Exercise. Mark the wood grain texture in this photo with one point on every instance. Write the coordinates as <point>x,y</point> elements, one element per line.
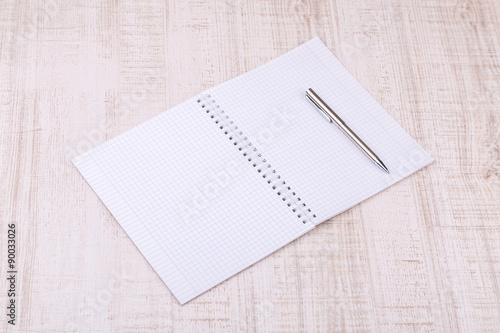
<point>422,256</point>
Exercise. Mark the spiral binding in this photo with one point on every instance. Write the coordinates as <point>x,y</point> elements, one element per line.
<point>255,158</point>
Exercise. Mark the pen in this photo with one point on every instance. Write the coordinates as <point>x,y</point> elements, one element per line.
<point>333,117</point>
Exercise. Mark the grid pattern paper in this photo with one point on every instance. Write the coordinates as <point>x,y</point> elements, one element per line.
<point>192,204</point>
<point>186,192</point>
<point>246,146</point>
<point>328,171</point>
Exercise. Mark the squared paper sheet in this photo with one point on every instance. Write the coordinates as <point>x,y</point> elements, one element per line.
<point>148,175</point>
<point>322,164</point>
<point>154,179</point>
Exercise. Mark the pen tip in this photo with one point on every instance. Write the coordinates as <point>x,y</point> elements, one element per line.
<point>382,166</point>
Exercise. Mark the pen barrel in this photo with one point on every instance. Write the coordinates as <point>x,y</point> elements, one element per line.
<point>358,142</point>
<point>334,118</point>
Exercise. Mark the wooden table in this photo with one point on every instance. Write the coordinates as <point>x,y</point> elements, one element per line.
<point>423,256</point>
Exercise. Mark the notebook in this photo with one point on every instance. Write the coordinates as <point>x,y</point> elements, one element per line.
<point>231,175</point>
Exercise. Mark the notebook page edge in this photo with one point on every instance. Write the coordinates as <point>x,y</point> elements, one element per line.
<point>324,54</point>
<point>154,255</point>
<point>317,47</point>
<point>425,164</point>
<point>278,247</point>
<point>194,97</point>
<point>124,215</point>
<point>134,128</point>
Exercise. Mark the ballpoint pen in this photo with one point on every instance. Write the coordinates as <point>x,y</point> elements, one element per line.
<point>333,117</point>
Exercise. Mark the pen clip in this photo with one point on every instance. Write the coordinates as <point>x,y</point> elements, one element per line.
<point>320,109</point>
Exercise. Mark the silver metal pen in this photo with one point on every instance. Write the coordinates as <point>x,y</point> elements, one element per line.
<point>333,117</point>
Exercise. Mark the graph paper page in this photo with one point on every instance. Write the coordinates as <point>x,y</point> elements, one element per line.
<point>193,205</point>
<point>222,180</point>
<point>326,170</point>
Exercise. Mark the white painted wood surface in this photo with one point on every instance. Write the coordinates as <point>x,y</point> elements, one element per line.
<point>423,256</point>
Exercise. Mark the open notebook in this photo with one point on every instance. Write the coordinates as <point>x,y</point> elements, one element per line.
<point>231,175</point>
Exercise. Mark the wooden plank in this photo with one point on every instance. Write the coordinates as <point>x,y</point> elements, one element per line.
<point>421,256</point>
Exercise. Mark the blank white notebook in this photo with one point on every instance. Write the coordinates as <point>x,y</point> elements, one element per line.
<point>231,175</point>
